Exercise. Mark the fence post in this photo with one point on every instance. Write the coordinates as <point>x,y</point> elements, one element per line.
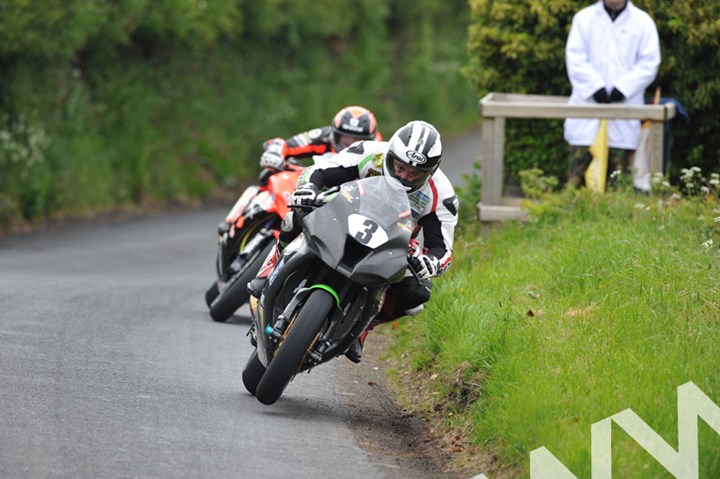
<point>492,159</point>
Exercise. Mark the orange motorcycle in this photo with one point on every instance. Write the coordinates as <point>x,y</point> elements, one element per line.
<point>245,239</point>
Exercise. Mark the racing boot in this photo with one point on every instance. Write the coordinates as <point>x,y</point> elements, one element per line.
<point>256,286</point>
<point>354,354</point>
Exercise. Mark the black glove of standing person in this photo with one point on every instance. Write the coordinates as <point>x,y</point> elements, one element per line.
<point>601,96</point>
<point>616,95</point>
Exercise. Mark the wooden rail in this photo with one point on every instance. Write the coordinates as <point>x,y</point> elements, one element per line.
<point>496,107</point>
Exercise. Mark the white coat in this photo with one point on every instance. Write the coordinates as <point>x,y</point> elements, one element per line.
<point>624,54</point>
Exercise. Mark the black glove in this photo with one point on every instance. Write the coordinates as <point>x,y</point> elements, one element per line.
<point>616,95</point>
<point>601,96</point>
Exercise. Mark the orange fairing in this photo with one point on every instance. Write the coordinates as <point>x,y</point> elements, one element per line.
<point>282,185</point>
<point>240,205</point>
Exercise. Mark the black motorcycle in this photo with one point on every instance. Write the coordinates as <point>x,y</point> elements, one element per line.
<point>329,283</point>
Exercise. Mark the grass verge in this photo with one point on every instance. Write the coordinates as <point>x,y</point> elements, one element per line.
<point>540,329</point>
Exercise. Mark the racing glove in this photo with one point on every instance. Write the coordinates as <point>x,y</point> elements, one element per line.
<point>273,156</point>
<point>424,265</point>
<point>616,95</point>
<point>601,96</point>
<point>305,195</point>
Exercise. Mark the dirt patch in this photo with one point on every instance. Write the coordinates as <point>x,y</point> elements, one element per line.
<point>395,424</point>
<point>397,438</point>
<point>401,434</point>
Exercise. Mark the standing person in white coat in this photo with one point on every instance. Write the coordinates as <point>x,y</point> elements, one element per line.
<point>612,55</point>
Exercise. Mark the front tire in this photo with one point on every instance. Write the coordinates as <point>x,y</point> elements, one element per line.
<point>236,294</point>
<point>211,294</point>
<point>253,373</point>
<point>291,352</point>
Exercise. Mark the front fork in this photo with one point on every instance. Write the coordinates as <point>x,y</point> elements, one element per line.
<point>229,246</point>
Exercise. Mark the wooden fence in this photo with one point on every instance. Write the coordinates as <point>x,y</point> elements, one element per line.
<point>496,107</point>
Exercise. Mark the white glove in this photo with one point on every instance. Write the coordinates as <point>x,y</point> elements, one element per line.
<point>425,266</point>
<point>272,158</point>
<point>305,195</point>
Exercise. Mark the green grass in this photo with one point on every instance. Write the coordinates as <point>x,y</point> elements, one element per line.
<point>603,303</point>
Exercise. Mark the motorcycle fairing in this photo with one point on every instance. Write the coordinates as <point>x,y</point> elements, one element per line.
<point>349,230</point>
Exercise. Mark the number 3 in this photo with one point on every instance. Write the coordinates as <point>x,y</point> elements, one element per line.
<point>364,237</point>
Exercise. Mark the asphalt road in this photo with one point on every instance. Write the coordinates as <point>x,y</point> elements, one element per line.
<point>459,155</point>
<point>110,366</point>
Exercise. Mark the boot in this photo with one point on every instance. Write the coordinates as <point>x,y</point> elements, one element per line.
<point>354,354</point>
<point>256,286</point>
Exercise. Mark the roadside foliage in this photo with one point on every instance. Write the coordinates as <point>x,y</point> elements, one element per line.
<point>126,103</point>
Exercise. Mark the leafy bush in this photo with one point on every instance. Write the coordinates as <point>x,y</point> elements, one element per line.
<point>23,146</point>
<point>164,100</point>
<point>60,30</point>
<point>469,193</point>
<point>534,183</point>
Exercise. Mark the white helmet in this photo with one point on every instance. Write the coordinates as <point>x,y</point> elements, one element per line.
<point>413,154</point>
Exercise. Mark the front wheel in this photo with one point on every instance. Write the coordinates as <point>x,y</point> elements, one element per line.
<point>253,373</point>
<point>236,294</point>
<point>291,352</point>
<point>211,293</point>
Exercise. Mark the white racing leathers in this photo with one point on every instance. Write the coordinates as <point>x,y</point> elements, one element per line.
<point>434,206</point>
<point>624,54</point>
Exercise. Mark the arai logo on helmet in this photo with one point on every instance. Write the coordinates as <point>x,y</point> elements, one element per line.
<point>416,157</point>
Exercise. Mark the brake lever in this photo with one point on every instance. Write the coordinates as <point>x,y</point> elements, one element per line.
<point>302,207</point>
<point>414,273</point>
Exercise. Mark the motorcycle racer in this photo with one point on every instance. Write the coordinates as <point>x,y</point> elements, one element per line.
<point>412,156</point>
<point>350,124</point>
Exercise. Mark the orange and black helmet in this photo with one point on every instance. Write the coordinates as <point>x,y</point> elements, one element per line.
<point>355,122</point>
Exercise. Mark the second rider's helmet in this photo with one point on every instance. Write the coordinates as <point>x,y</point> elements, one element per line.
<point>416,149</point>
<point>351,124</point>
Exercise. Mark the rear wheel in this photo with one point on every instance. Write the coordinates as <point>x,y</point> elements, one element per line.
<point>236,294</point>
<point>253,373</point>
<point>290,354</point>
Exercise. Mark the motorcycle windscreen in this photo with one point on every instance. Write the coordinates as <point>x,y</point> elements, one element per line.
<point>364,231</point>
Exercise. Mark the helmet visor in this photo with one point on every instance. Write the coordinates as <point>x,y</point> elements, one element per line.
<point>410,176</point>
<point>343,140</point>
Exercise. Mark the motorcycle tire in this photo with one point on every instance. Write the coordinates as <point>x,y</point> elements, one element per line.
<point>211,294</point>
<point>291,352</point>
<point>236,294</point>
<point>253,373</point>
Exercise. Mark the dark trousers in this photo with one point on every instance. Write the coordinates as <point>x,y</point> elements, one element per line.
<point>402,296</point>
<point>580,158</point>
